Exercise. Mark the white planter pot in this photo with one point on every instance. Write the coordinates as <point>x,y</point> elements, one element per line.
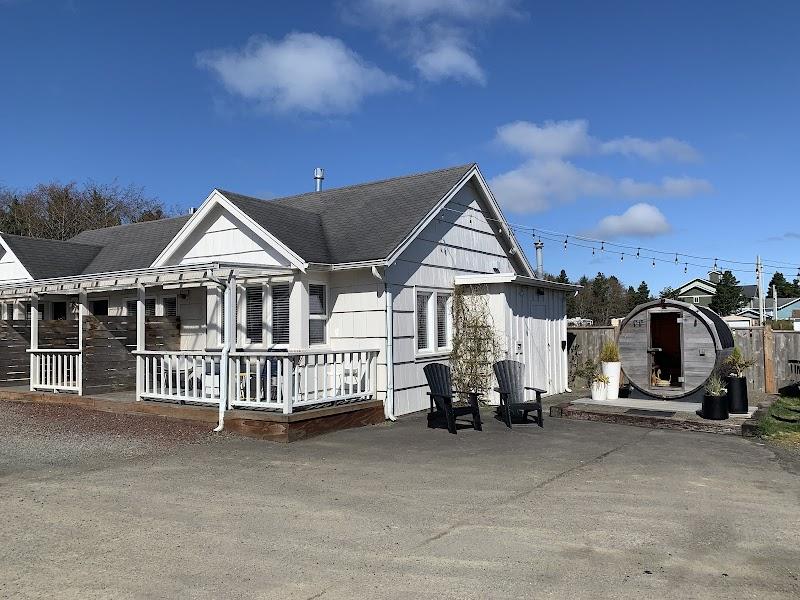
<point>599,390</point>
<point>612,371</point>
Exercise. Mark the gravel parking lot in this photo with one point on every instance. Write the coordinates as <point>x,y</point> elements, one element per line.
<point>106,506</point>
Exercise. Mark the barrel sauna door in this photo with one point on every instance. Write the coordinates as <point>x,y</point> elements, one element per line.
<point>665,351</point>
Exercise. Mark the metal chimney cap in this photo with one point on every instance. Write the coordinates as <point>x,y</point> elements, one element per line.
<point>319,175</point>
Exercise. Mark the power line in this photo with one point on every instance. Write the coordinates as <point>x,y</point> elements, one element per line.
<point>592,243</point>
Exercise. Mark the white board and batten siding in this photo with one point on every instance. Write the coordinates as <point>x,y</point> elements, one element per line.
<point>532,324</point>
<point>458,242</point>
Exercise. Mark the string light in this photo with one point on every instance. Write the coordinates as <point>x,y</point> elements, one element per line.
<point>715,265</point>
<point>622,257</point>
<point>637,252</point>
<point>565,242</point>
<point>654,263</point>
<point>602,246</point>
<point>676,259</point>
<point>685,267</point>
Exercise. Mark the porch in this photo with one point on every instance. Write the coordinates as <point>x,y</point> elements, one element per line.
<point>226,337</point>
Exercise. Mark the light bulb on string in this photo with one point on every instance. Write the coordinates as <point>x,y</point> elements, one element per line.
<point>622,256</point>
<point>676,259</point>
<point>685,267</point>
<point>654,263</point>
<point>566,239</point>
<point>637,252</point>
<point>716,268</point>
<point>602,246</point>
<point>593,255</point>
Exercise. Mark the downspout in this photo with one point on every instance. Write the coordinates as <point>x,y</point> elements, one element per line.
<point>225,353</point>
<point>388,405</point>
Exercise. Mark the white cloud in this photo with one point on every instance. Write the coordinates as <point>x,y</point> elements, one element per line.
<point>419,10</point>
<point>553,139</point>
<point>642,220</point>
<point>656,150</point>
<point>449,60</point>
<point>437,36</point>
<point>561,139</point>
<point>303,72</point>
<point>536,184</point>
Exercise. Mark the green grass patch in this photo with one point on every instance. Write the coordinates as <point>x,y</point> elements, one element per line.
<point>781,431</point>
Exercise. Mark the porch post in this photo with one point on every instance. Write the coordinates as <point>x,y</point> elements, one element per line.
<point>81,314</point>
<point>231,338</point>
<point>140,341</point>
<point>34,379</point>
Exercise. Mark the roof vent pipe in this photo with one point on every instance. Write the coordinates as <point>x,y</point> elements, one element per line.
<point>539,260</point>
<point>319,175</point>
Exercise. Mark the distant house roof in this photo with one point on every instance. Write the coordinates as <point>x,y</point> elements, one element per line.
<point>354,223</point>
<point>749,291</point>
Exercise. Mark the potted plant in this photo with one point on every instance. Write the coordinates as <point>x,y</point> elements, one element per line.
<point>599,387</point>
<point>609,357</point>
<point>736,364</point>
<point>715,399</point>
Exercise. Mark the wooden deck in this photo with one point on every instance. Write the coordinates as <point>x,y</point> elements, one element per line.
<point>261,424</point>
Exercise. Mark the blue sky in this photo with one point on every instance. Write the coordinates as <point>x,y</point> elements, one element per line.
<point>666,125</point>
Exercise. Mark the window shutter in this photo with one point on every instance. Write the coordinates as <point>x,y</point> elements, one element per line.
<point>170,307</point>
<point>280,313</point>
<point>422,321</point>
<point>150,307</point>
<point>441,320</point>
<point>254,313</point>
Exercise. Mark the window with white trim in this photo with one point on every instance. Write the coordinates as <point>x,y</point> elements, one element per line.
<point>317,313</point>
<point>696,299</point>
<point>149,307</point>
<point>254,314</point>
<point>434,326</point>
<point>280,313</point>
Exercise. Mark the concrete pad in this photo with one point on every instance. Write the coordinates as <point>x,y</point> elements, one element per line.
<point>574,510</point>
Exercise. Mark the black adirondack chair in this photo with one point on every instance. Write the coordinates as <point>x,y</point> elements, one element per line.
<point>511,387</point>
<point>441,395</point>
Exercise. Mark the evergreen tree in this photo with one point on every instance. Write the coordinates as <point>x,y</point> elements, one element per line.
<point>783,287</point>
<point>668,293</point>
<point>728,297</point>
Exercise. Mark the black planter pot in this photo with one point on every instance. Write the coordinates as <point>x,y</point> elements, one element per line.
<point>714,408</point>
<point>737,394</point>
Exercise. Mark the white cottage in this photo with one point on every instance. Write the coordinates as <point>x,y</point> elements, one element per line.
<point>288,304</point>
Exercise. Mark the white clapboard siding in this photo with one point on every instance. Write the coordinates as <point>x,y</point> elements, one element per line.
<point>458,242</point>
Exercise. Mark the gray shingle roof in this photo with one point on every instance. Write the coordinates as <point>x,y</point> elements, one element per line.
<point>45,259</point>
<point>348,224</point>
<point>133,246</point>
<point>354,223</point>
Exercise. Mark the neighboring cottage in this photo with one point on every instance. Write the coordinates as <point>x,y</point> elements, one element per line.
<point>700,291</point>
<point>295,303</point>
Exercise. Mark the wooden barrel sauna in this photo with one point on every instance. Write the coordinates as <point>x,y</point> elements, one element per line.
<point>668,348</point>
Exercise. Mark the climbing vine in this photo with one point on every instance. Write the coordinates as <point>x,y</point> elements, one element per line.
<point>476,345</point>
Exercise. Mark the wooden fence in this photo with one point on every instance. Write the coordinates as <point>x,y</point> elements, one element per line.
<point>108,343</point>
<point>15,339</point>
<point>772,351</point>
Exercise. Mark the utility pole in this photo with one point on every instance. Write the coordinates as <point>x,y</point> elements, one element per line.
<point>760,283</point>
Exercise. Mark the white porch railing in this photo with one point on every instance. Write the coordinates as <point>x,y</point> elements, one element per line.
<point>56,370</point>
<point>289,380</point>
<point>179,376</point>
<point>270,380</point>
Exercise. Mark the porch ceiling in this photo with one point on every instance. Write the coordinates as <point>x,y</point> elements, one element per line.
<point>172,276</point>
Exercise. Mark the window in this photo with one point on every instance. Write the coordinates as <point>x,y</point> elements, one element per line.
<point>696,299</point>
<point>254,314</point>
<point>434,321</point>
<point>423,299</point>
<point>28,311</point>
<point>317,313</point>
<point>149,307</point>
<point>444,323</point>
<point>59,311</point>
<point>170,304</point>
<point>99,308</point>
<point>280,313</point>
